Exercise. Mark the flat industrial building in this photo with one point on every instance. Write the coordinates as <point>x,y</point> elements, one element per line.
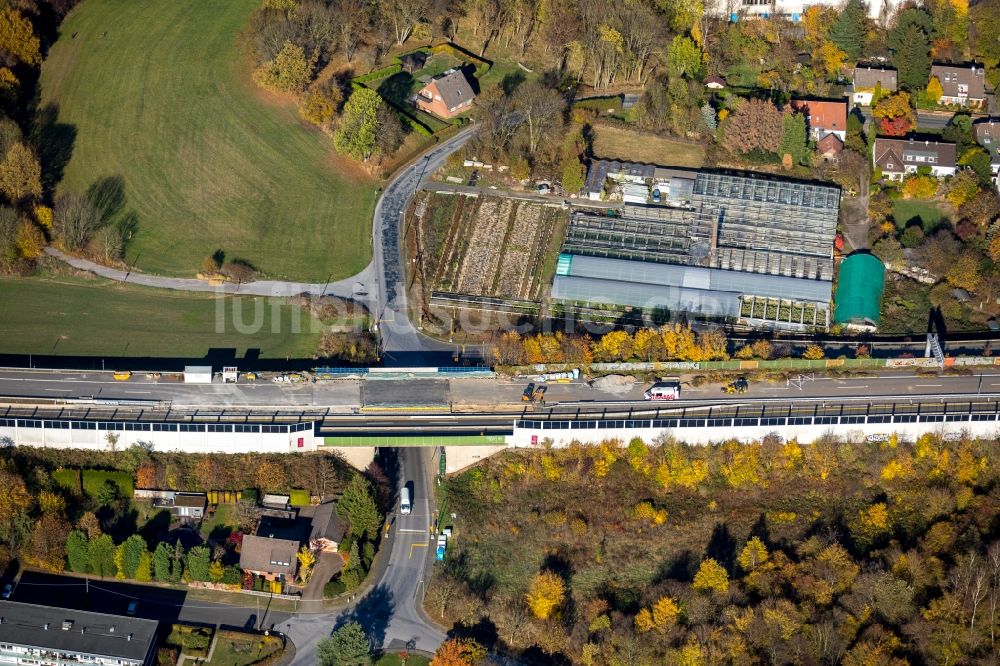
<point>734,246</point>
<point>33,634</point>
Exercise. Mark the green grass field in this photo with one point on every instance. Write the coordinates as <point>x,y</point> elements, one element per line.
<point>905,211</point>
<point>100,318</point>
<point>158,94</point>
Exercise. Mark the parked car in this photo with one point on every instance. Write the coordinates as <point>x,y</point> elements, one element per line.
<point>8,590</point>
<point>132,607</point>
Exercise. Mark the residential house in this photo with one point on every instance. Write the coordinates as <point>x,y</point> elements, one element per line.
<point>898,157</point>
<point>270,557</point>
<point>964,85</point>
<point>793,10</point>
<point>867,78</point>
<point>181,504</point>
<point>823,117</point>
<point>987,133</point>
<point>446,95</point>
<point>413,62</point>
<point>715,82</point>
<point>830,147</point>
<point>50,636</point>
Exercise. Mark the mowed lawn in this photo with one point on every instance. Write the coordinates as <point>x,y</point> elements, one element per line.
<point>906,212</point>
<point>99,318</point>
<point>631,146</point>
<point>159,95</point>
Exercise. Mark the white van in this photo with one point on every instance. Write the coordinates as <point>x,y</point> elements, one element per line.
<point>663,391</point>
<point>404,501</point>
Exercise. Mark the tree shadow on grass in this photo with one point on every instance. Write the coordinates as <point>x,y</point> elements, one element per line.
<point>108,196</point>
<point>397,88</point>
<point>55,141</point>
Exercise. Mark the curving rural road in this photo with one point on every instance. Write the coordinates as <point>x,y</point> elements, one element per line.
<point>380,286</point>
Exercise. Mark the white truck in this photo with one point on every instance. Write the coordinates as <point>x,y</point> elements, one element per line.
<point>404,501</point>
<point>663,391</point>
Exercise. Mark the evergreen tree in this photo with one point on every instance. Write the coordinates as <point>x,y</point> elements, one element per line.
<point>794,138</point>
<point>847,31</point>
<point>357,505</point>
<point>198,563</point>
<point>78,552</point>
<point>132,550</point>
<point>101,550</point>
<point>177,563</point>
<point>354,573</point>
<point>161,562</point>
<point>347,646</point>
<point>910,43</point>
<point>358,132</point>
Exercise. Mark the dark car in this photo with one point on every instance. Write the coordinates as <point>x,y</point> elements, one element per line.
<point>8,590</point>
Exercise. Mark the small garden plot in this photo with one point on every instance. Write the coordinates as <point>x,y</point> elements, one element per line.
<point>192,641</point>
<point>485,246</point>
<point>235,648</point>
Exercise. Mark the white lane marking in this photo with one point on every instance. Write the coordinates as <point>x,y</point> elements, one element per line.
<point>927,385</point>
<point>408,530</point>
<point>851,388</point>
<point>56,389</point>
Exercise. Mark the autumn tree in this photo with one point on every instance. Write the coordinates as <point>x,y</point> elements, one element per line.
<point>895,114</point>
<point>754,554</point>
<point>76,220</point>
<point>20,174</point>
<point>540,110</point>
<point>546,594</point>
<point>289,72</point>
<point>18,42</point>
<point>320,104</point>
<point>306,560</point>
<point>684,58</point>
<point>48,542</point>
<point>458,652</point>
<point>813,353</point>
<point>15,502</point>
<point>754,125</point>
<point>357,135</point>
<point>934,91</point>
<point>711,576</point>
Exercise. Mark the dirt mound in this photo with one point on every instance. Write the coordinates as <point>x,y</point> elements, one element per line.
<point>618,384</point>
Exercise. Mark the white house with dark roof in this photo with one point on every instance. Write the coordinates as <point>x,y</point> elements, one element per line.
<point>987,133</point>
<point>867,78</point>
<point>42,635</point>
<point>964,85</point>
<point>898,157</point>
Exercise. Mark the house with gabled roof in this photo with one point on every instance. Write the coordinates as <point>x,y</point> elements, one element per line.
<point>898,157</point>
<point>987,133</point>
<point>867,78</point>
<point>964,85</point>
<point>446,95</point>
<point>823,117</point>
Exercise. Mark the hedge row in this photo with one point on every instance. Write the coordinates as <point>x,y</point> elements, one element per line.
<point>90,481</point>
<point>379,73</point>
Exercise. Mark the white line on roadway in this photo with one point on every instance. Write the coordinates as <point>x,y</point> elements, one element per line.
<point>408,530</point>
<point>851,388</point>
<point>927,385</point>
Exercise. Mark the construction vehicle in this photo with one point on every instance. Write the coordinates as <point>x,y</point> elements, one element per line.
<point>122,375</point>
<point>533,392</point>
<point>740,385</point>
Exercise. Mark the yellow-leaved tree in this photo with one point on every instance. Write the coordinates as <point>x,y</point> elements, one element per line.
<point>711,576</point>
<point>753,555</point>
<point>546,594</point>
<point>665,613</point>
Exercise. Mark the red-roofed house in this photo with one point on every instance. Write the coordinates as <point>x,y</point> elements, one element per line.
<point>823,117</point>
<point>830,147</point>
